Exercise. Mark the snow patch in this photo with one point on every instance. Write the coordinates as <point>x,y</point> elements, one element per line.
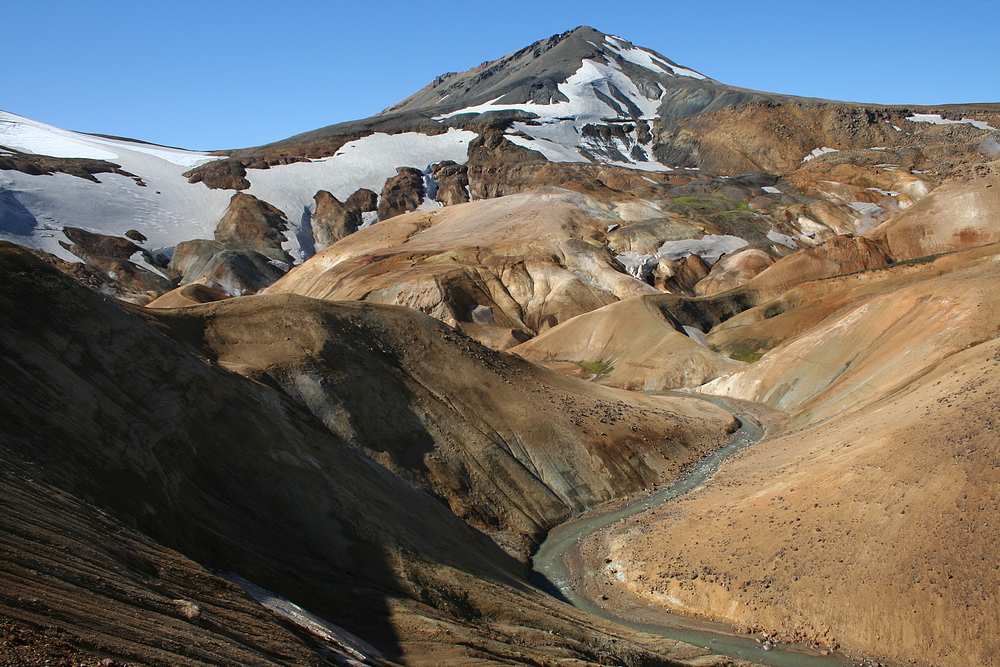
<point>866,208</point>
<point>29,136</point>
<point>364,163</point>
<point>782,239</point>
<point>869,215</point>
<point>709,247</point>
<point>695,334</point>
<point>553,152</point>
<point>819,151</point>
<point>887,193</point>
<point>581,92</point>
<point>643,58</point>
<point>354,646</point>
<point>936,119</point>
<point>771,189</point>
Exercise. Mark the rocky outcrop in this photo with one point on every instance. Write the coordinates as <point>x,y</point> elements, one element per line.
<point>364,200</point>
<point>103,245</point>
<point>333,220</point>
<point>252,224</point>
<point>226,267</point>
<point>37,165</point>
<point>136,236</point>
<point>224,174</point>
<point>452,182</point>
<point>492,147</point>
<point>402,193</point>
<point>109,256</point>
<point>679,277</point>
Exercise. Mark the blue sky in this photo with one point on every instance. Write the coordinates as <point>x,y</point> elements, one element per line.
<point>208,75</point>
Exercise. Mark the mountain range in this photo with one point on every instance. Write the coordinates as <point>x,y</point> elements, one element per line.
<point>359,374</point>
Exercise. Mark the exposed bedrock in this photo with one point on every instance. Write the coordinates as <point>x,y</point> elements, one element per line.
<point>227,267</point>
<point>333,219</point>
<point>253,224</point>
<point>401,193</point>
<point>452,182</point>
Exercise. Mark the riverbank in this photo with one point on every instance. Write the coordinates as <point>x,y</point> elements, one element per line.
<point>573,561</point>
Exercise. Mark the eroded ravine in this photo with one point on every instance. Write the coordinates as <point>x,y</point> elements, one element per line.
<point>557,564</point>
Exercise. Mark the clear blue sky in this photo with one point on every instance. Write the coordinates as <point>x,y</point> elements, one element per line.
<point>212,74</point>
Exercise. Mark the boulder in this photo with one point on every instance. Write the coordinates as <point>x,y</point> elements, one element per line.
<point>452,182</point>
<point>100,244</point>
<point>109,256</point>
<point>493,147</point>
<point>333,220</point>
<point>232,270</point>
<point>227,174</point>
<point>136,236</point>
<point>402,193</point>
<point>126,280</point>
<point>681,276</point>
<point>252,224</point>
<point>364,200</point>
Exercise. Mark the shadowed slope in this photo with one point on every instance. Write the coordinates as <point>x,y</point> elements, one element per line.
<point>512,448</point>
<point>240,477</point>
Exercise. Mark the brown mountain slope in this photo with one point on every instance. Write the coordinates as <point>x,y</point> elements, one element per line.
<point>871,523</point>
<point>633,344</point>
<point>525,262</point>
<point>875,531</point>
<point>239,476</point>
<point>856,345</point>
<point>512,448</point>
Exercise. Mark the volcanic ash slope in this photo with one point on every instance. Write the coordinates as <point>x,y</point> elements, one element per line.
<point>633,344</point>
<point>871,524</point>
<point>524,262</point>
<point>356,516</point>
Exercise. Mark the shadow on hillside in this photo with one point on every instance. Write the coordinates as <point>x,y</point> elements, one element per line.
<point>227,471</point>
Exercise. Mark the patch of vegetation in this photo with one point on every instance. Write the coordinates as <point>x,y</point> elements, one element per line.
<point>696,202</point>
<point>750,351</point>
<point>738,205</point>
<point>596,368</point>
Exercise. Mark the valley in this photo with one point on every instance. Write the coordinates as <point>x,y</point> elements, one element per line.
<point>369,375</point>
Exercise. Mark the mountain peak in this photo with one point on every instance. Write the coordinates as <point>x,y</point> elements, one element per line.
<point>538,75</point>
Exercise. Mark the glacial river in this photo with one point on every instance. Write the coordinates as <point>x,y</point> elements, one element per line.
<point>552,569</point>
